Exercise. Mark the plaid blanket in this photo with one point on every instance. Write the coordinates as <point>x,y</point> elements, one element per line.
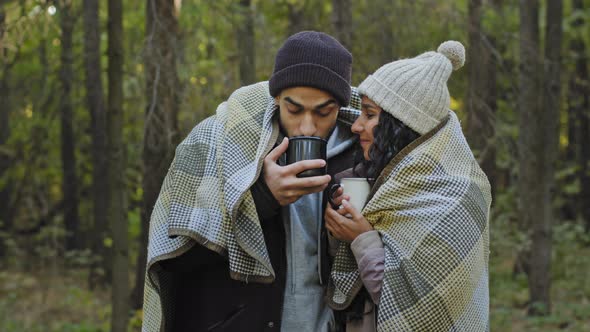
<point>431,207</point>
<point>205,197</point>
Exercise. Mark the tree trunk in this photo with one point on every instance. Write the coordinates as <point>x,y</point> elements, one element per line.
<point>481,92</point>
<point>579,117</point>
<point>574,114</point>
<point>161,128</point>
<point>575,103</point>
<point>246,46</point>
<point>552,87</point>
<point>5,107</point>
<point>296,16</point>
<point>386,36</point>
<point>100,174</point>
<point>547,154</point>
<point>488,160</point>
<point>342,21</point>
<point>118,198</point>
<point>539,105</point>
<point>70,182</point>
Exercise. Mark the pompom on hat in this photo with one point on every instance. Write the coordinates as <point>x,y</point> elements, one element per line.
<point>415,90</point>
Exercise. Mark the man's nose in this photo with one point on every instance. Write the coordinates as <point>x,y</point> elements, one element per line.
<point>308,126</point>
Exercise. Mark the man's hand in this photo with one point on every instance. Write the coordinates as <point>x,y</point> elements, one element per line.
<point>343,228</point>
<point>283,182</point>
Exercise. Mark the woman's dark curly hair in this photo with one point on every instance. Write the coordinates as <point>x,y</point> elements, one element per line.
<point>390,136</point>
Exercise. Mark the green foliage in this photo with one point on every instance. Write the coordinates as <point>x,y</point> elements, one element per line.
<point>208,59</point>
<point>46,302</point>
<point>570,286</point>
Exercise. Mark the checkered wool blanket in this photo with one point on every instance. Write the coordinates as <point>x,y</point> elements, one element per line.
<point>205,197</point>
<point>431,207</point>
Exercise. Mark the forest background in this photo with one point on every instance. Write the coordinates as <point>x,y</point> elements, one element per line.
<point>95,96</point>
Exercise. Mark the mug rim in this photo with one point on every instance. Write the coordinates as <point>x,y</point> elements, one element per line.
<point>356,179</point>
<point>310,138</point>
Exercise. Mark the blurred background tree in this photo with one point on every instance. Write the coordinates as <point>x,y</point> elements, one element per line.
<point>95,96</point>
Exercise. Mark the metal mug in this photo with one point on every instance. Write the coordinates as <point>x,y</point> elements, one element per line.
<point>307,148</point>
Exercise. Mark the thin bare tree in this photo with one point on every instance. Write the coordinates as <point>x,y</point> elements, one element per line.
<point>161,125</point>
<point>68,156</point>
<point>579,115</point>
<point>538,137</point>
<point>5,109</point>
<point>117,186</point>
<point>480,91</point>
<point>246,43</point>
<point>342,21</point>
<point>296,17</point>
<point>100,174</point>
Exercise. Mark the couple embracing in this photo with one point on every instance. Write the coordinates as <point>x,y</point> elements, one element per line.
<point>241,241</point>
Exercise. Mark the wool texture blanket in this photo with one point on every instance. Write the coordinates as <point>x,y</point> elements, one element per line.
<point>431,207</point>
<point>205,197</point>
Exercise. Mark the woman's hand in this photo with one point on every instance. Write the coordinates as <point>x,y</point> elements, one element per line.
<point>338,196</point>
<point>343,228</point>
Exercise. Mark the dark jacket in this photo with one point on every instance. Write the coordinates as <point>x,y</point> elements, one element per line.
<point>207,299</point>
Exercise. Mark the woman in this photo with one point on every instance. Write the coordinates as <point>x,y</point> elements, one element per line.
<point>420,246</point>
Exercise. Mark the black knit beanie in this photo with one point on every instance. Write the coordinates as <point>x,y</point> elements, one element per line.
<point>313,59</point>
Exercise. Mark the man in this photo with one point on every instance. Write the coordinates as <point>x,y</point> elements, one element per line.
<point>237,241</point>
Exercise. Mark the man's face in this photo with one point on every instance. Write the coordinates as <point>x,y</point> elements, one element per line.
<point>306,111</point>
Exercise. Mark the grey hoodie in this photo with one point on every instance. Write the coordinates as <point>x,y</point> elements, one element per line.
<point>304,307</point>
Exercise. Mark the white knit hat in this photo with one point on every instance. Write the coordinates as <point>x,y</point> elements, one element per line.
<point>415,90</point>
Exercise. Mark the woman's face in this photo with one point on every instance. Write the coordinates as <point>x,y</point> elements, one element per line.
<point>363,126</point>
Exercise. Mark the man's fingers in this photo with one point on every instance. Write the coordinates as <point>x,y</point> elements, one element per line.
<point>305,191</point>
<point>276,153</point>
<point>303,165</point>
<point>311,182</point>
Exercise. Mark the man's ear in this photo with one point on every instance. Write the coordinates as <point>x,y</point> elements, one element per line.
<point>277,100</point>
